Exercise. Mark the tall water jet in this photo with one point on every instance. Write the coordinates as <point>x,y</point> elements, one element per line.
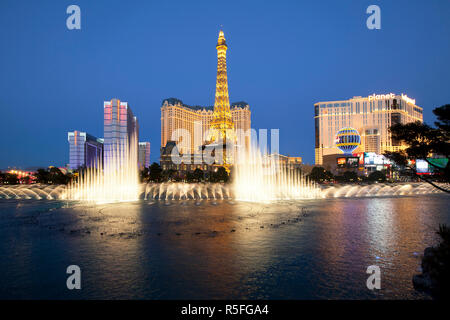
<point>262,178</point>
<point>115,180</point>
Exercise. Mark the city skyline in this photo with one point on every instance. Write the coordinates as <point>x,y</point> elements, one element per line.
<point>78,70</point>
<point>232,158</point>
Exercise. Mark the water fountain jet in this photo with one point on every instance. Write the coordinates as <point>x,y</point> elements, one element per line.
<point>115,181</point>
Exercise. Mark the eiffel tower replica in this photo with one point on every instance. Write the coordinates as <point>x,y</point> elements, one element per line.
<point>222,131</point>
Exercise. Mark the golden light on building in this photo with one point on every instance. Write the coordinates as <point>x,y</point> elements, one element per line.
<point>196,120</point>
<point>222,124</point>
<point>371,116</point>
<point>218,124</point>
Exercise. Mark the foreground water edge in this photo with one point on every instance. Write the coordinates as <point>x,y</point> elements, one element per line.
<point>217,249</point>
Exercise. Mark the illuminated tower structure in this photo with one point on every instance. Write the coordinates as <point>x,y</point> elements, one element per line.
<point>222,126</point>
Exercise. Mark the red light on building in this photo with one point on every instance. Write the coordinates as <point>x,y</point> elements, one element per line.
<point>360,155</point>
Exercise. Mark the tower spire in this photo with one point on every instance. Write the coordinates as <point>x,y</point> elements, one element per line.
<point>222,125</point>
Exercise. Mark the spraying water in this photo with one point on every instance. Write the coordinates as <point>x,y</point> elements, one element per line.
<point>256,177</point>
<point>262,178</point>
<point>115,180</point>
<point>192,191</point>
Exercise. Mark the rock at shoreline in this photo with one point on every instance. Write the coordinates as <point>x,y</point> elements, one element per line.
<point>424,282</point>
<point>434,278</point>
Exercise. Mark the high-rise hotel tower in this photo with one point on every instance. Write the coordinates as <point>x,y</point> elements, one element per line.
<point>371,116</point>
<point>85,150</point>
<point>121,136</point>
<point>221,121</point>
<point>144,155</point>
<point>121,128</point>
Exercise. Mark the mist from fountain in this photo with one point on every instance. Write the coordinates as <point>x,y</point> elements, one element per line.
<point>186,191</point>
<point>262,178</point>
<point>32,191</point>
<point>199,191</point>
<point>256,177</point>
<point>378,190</point>
<point>115,181</point>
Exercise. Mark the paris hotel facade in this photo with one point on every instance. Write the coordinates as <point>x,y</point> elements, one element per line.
<point>196,120</point>
<point>371,116</point>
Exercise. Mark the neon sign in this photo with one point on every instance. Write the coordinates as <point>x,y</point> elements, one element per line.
<point>381,96</point>
<point>390,96</point>
<point>340,162</point>
<point>407,99</point>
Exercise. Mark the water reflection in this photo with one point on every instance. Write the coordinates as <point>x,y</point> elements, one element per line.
<point>217,249</point>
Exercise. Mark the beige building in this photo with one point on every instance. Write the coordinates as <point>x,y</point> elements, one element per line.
<point>288,161</point>
<point>371,116</point>
<point>177,119</point>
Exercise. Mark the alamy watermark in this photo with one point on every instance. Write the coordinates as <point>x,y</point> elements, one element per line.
<point>74,20</point>
<point>213,152</point>
<point>374,20</point>
<point>74,280</point>
<point>374,280</point>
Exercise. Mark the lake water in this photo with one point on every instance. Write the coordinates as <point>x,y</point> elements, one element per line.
<point>315,249</point>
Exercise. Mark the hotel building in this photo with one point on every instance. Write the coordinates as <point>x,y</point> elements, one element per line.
<point>85,150</point>
<point>196,121</point>
<point>287,161</point>
<point>144,155</point>
<point>371,116</point>
<point>189,129</point>
<point>121,127</point>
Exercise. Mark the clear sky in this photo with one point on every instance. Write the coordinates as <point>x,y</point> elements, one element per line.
<point>283,57</point>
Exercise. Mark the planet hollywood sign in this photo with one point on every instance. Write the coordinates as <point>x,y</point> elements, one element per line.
<point>407,99</point>
<point>381,96</point>
<point>390,96</point>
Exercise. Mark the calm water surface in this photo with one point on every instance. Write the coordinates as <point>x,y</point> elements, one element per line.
<point>315,249</point>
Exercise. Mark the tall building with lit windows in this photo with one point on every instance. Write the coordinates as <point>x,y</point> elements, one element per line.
<point>144,155</point>
<point>85,150</point>
<point>121,127</point>
<point>371,116</point>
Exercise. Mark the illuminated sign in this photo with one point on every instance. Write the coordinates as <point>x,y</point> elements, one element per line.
<point>360,155</point>
<point>352,162</point>
<point>348,162</point>
<point>378,159</point>
<point>381,96</point>
<point>341,162</point>
<point>438,162</point>
<point>407,99</point>
<point>421,166</point>
<point>371,158</point>
<point>390,96</point>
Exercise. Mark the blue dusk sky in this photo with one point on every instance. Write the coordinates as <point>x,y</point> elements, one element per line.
<point>283,57</point>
